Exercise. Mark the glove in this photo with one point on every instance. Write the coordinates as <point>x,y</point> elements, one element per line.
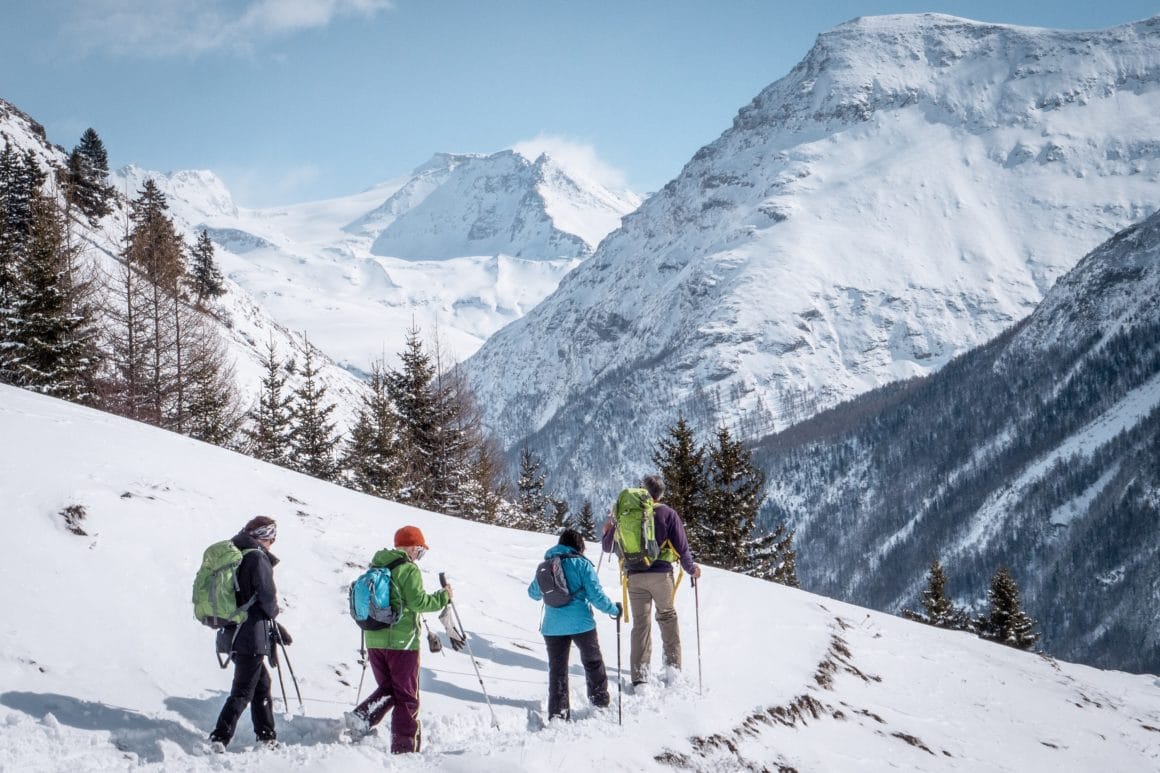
<point>619,611</point>
<point>282,635</point>
<point>454,634</point>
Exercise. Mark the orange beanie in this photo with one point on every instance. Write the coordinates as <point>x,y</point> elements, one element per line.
<point>410,536</point>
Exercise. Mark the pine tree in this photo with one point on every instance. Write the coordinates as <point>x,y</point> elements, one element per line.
<point>21,184</point>
<point>412,393</point>
<point>372,458</point>
<point>772,557</point>
<point>482,493</point>
<point>204,276</point>
<point>88,174</point>
<point>210,406</point>
<point>937,608</point>
<point>733,499</point>
<point>155,249</point>
<point>586,521</point>
<point>531,502</point>
<point>681,463</point>
<point>268,435</point>
<point>312,437</point>
<point>52,343</point>
<point>561,514</point>
<point>1007,623</point>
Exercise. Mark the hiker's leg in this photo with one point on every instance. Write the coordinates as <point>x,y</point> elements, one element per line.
<point>378,703</point>
<point>559,648</point>
<point>404,665</point>
<point>246,675</point>
<point>662,589</point>
<point>594,673</point>
<point>640,641</point>
<point>262,706</point>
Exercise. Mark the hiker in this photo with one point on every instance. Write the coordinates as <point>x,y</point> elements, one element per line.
<point>255,638</point>
<point>573,624</point>
<point>394,651</point>
<point>654,585</point>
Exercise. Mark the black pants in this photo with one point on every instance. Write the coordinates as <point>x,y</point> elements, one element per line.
<point>559,648</point>
<point>251,688</point>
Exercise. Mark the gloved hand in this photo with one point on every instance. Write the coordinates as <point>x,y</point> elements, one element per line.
<point>457,637</point>
<point>619,611</point>
<point>282,635</point>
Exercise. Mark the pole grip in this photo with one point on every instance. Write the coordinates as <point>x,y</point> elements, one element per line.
<point>442,579</point>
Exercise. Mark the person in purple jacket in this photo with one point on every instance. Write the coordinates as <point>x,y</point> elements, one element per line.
<point>655,585</point>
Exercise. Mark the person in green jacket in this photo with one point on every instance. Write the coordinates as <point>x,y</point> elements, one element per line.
<point>394,651</point>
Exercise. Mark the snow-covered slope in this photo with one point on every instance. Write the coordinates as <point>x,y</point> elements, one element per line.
<point>102,665</point>
<point>911,188</point>
<point>461,246</point>
<point>244,324</point>
<point>1039,451</point>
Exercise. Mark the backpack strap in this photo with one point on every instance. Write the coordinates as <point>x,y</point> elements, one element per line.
<point>391,568</point>
<point>237,586</point>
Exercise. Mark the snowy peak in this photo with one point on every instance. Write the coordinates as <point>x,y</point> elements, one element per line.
<point>459,206</point>
<point>909,190</point>
<point>962,71</point>
<point>424,179</point>
<point>193,195</point>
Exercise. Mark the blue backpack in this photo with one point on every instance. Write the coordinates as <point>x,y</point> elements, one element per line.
<point>370,598</point>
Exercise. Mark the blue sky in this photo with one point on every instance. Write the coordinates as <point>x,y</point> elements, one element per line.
<point>297,100</point>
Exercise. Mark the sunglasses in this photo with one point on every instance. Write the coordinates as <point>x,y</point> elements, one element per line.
<point>419,553</point>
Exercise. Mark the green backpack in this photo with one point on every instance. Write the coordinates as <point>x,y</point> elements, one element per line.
<point>215,587</point>
<point>635,539</point>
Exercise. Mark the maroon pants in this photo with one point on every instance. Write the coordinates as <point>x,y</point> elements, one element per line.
<point>397,675</point>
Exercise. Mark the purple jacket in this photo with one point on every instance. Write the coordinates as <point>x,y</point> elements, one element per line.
<point>668,527</point>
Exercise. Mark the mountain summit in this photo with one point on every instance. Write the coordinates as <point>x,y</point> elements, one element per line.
<point>910,189</point>
<point>459,206</point>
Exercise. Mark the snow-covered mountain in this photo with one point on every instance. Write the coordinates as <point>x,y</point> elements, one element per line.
<point>460,247</point>
<point>102,665</point>
<point>910,189</point>
<point>502,203</point>
<point>244,324</point>
<point>1039,451</point>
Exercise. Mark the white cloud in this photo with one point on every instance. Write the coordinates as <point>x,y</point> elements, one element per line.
<point>578,158</point>
<point>159,28</point>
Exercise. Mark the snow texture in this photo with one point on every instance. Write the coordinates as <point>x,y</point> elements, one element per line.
<point>104,668</point>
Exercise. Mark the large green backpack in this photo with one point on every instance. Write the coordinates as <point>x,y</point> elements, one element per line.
<point>215,587</point>
<point>635,539</point>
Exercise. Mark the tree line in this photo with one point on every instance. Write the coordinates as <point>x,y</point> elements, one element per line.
<point>716,489</point>
<point>1004,622</point>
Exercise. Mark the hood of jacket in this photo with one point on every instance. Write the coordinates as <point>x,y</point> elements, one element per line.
<point>245,541</point>
<point>563,551</point>
<point>387,555</point>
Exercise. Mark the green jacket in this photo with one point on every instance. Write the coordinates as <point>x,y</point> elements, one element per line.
<point>408,595</point>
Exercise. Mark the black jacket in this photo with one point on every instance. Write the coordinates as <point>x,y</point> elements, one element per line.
<point>255,580</point>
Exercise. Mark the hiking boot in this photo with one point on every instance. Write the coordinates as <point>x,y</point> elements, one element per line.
<point>269,743</point>
<point>356,725</point>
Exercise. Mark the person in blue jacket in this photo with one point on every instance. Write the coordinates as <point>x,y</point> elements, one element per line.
<point>574,623</point>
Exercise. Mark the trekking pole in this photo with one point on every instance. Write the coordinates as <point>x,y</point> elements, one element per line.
<point>281,683</point>
<point>619,678</point>
<point>362,658</point>
<point>697,614</point>
<point>293,679</point>
<point>467,641</point>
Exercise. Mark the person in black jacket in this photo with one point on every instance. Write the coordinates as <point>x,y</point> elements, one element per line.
<point>255,638</point>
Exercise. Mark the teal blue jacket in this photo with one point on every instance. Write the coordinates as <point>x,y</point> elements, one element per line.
<point>576,616</point>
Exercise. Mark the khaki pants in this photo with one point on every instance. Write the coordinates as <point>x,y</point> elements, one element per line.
<point>645,590</point>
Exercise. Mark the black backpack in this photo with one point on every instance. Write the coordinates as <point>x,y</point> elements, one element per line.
<point>553,585</point>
